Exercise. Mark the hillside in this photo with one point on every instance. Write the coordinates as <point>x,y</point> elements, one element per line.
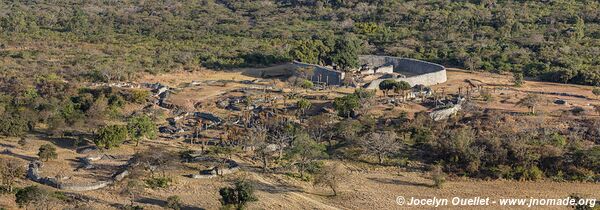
<point>312,104</point>
<point>116,40</point>
<point>364,186</point>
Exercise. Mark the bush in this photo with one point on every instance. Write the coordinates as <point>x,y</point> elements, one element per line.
<point>580,174</point>
<point>138,96</point>
<point>174,202</point>
<point>11,125</point>
<point>47,152</point>
<point>534,173</point>
<point>438,176</point>
<point>159,182</point>
<point>238,196</point>
<point>577,110</point>
<point>31,195</point>
<point>307,84</point>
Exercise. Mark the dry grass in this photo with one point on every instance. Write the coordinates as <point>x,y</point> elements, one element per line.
<point>373,188</point>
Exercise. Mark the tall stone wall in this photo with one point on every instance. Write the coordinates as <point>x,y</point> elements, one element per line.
<point>323,74</point>
<point>419,72</point>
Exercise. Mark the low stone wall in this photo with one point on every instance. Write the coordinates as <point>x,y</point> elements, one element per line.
<point>231,168</point>
<point>33,173</point>
<point>444,114</point>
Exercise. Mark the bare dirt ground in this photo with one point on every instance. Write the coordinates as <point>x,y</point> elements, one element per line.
<point>505,95</point>
<point>366,187</point>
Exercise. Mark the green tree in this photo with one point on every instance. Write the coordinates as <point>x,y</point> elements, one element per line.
<point>401,87</point>
<point>140,127</point>
<point>11,125</point>
<point>596,91</point>
<point>387,85</point>
<point>345,53</point>
<point>304,151</point>
<point>303,105</point>
<point>110,136</point>
<point>238,196</point>
<point>309,51</point>
<point>47,152</point>
<point>518,78</point>
<point>346,105</point>
<point>32,195</point>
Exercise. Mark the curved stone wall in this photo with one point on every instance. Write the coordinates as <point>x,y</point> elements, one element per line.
<point>420,72</point>
<point>33,173</point>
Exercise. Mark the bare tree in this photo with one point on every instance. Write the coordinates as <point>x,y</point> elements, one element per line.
<point>530,101</point>
<point>10,171</point>
<point>282,135</point>
<point>257,136</point>
<point>133,188</point>
<point>381,144</point>
<point>331,176</point>
<point>321,128</point>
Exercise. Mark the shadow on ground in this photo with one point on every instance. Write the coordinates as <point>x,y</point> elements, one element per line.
<point>158,202</point>
<point>400,182</point>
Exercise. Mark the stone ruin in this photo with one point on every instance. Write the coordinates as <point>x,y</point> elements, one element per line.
<point>374,69</point>
<point>33,173</point>
<point>226,167</point>
<point>445,113</point>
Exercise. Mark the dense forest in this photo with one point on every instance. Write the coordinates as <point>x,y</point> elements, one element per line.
<point>554,40</point>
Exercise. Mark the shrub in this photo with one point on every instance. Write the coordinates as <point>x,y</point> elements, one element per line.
<point>534,173</point>
<point>31,195</point>
<point>303,105</point>
<point>159,182</point>
<point>238,196</point>
<point>22,141</point>
<point>47,152</point>
<point>307,84</point>
<point>174,202</point>
<point>438,176</point>
<point>577,110</point>
<point>596,92</point>
<point>518,78</point>
<point>580,174</point>
<point>138,96</point>
<point>486,96</point>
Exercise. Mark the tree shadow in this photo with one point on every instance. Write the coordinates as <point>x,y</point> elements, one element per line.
<point>158,202</point>
<point>276,188</point>
<point>62,142</point>
<point>24,157</point>
<point>7,145</point>
<point>400,182</point>
<point>87,199</point>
